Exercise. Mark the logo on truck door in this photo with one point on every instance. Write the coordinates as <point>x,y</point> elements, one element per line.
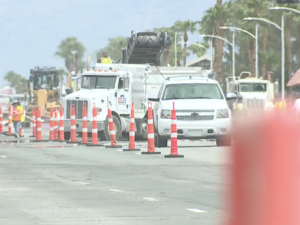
<point>122,100</point>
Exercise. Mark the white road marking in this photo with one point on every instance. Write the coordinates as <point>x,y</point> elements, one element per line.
<point>119,150</point>
<point>138,153</point>
<point>3,156</point>
<point>151,199</point>
<point>196,210</point>
<point>80,183</point>
<point>116,190</point>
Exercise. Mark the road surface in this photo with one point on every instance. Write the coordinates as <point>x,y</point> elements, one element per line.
<point>58,183</point>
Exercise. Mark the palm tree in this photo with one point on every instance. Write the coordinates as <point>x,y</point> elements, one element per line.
<point>64,51</point>
<point>252,8</point>
<point>184,27</point>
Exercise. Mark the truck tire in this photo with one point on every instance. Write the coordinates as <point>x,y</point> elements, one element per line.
<point>67,136</point>
<point>223,141</point>
<point>160,143</point>
<point>118,130</point>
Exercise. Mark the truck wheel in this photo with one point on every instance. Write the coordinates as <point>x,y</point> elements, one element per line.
<point>67,136</point>
<point>160,143</point>
<point>117,126</point>
<point>223,141</point>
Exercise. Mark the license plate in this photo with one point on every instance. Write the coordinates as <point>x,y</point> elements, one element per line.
<point>195,133</point>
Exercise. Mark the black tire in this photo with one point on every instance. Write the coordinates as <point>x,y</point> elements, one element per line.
<point>117,125</point>
<point>67,136</point>
<point>223,141</point>
<point>159,142</point>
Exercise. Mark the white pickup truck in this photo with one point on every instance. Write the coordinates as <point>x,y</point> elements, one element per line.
<point>201,110</point>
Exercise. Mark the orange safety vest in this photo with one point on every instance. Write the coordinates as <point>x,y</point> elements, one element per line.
<point>17,114</point>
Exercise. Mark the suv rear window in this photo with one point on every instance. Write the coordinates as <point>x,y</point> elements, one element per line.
<point>192,91</point>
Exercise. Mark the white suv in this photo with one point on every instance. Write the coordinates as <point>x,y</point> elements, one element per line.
<point>201,110</point>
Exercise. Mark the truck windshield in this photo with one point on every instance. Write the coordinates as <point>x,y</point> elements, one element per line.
<point>42,80</point>
<point>99,82</point>
<point>253,87</point>
<point>192,91</point>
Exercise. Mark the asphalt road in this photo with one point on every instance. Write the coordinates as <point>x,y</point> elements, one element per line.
<point>54,183</point>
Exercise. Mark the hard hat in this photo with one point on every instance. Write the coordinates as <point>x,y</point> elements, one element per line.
<point>15,102</point>
<point>73,73</point>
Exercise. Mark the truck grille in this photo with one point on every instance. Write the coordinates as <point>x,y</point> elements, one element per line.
<point>78,105</point>
<point>255,103</point>
<point>195,110</point>
<point>194,118</point>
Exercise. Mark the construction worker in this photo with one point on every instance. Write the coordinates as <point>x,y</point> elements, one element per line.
<point>105,59</point>
<point>239,106</point>
<point>17,117</point>
<point>50,81</point>
<point>70,84</point>
<point>280,105</point>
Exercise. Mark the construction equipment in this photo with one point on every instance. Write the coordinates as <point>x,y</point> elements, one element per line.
<point>145,47</point>
<point>44,90</point>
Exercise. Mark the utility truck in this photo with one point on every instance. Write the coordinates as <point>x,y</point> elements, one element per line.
<point>255,92</point>
<point>117,86</point>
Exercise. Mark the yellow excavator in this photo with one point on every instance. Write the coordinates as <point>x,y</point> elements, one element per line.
<point>44,90</point>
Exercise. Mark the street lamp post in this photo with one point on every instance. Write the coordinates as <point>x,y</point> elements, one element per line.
<point>74,53</point>
<point>282,48</point>
<point>175,46</point>
<point>256,39</point>
<point>233,49</point>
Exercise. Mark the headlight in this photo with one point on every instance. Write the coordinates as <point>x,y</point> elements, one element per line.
<point>165,114</point>
<point>222,113</point>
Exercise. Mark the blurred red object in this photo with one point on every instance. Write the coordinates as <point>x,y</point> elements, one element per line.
<point>265,171</point>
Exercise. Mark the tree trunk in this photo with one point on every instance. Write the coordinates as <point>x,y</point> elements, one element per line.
<point>288,44</point>
<point>250,57</point>
<point>185,37</point>
<point>219,52</point>
<point>299,48</point>
<point>264,49</point>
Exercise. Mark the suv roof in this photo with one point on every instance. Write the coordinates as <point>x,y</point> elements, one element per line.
<point>189,79</point>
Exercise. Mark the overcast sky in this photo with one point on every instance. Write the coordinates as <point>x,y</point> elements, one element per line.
<point>31,30</point>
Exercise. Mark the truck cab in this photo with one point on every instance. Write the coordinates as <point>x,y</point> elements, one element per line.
<point>255,92</point>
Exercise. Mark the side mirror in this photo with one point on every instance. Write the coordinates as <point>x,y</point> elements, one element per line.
<point>31,79</point>
<point>153,99</point>
<point>126,84</point>
<point>231,96</point>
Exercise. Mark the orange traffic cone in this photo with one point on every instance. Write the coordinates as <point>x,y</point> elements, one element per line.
<point>33,124</point>
<point>73,135</point>
<point>264,176</point>
<point>151,147</point>
<point>95,142</point>
<point>21,131</point>
<point>131,146</point>
<point>1,120</point>
<point>55,124</point>
<point>51,133</point>
<point>174,147</point>
<point>84,126</point>
<point>112,133</point>
<point>38,126</point>
<point>10,125</point>
<point>61,125</point>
